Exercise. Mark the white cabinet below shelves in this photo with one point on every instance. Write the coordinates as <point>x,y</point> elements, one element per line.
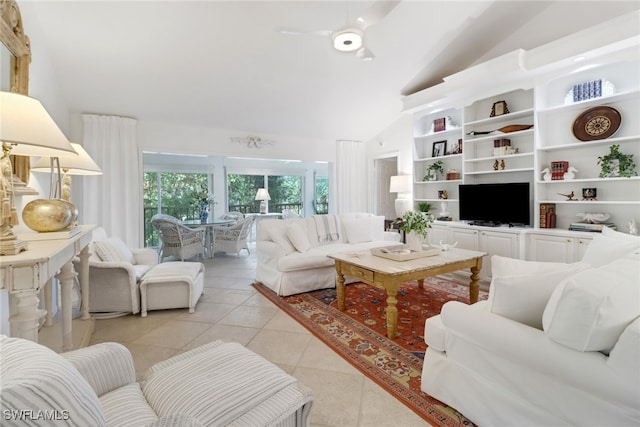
<point>556,248</point>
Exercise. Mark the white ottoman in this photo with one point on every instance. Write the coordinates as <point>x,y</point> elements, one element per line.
<point>172,285</point>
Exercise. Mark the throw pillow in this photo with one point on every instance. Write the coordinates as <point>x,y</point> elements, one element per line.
<point>589,311</point>
<point>278,234</point>
<point>297,234</point>
<point>113,250</point>
<point>609,232</point>
<point>520,289</point>
<point>358,230</point>
<point>625,356</point>
<point>606,248</point>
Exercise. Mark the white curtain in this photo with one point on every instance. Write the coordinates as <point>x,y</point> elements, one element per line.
<point>351,176</point>
<point>114,201</point>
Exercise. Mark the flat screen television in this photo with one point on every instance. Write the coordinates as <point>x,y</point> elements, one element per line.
<point>495,204</point>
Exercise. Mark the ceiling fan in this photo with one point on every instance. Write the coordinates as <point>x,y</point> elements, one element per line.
<point>351,37</point>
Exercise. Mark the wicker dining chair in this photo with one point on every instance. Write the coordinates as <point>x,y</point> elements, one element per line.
<point>233,238</point>
<point>176,239</point>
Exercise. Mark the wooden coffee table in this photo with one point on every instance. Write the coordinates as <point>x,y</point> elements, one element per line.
<point>388,274</point>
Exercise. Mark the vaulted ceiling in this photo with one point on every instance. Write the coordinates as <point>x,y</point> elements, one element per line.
<point>223,64</point>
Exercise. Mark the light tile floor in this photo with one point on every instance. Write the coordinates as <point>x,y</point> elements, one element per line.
<point>231,310</point>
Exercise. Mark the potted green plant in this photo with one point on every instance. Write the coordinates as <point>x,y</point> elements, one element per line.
<point>416,225</point>
<point>433,169</point>
<point>616,164</point>
<point>424,207</point>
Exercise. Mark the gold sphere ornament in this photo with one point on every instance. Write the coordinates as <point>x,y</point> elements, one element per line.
<point>45,215</point>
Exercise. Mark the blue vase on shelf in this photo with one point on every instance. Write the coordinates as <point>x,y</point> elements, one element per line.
<point>204,213</point>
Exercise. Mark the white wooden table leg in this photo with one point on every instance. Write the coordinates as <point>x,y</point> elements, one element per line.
<point>84,282</point>
<point>24,323</point>
<point>48,303</point>
<point>66,277</point>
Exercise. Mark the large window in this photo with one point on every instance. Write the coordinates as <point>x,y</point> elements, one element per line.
<point>285,192</point>
<point>172,194</point>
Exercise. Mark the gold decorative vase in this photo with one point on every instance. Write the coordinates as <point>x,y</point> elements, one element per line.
<point>43,215</point>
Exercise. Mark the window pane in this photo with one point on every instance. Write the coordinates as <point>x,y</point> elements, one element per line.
<point>286,193</point>
<point>321,201</point>
<point>242,191</point>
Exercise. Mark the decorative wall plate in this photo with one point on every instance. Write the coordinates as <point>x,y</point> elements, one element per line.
<point>599,122</point>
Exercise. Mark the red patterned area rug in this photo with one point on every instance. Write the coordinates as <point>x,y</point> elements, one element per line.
<point>359,335</point>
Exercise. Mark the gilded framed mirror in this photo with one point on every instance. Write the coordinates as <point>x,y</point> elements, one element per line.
<point>15,56</point>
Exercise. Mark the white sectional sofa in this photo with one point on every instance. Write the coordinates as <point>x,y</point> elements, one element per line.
<point>555,344</point>
<point>292,253</point>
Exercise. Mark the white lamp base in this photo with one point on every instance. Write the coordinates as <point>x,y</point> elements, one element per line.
<point>402,206</point>
<point>263,206</point>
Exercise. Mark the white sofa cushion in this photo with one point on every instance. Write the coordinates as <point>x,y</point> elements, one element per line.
<point>608,247</point>
<point>113,249</point>
<point>297,235</point>
<point>278,234</point>
<point>520,289</point>
<point>625,356</point>
<point>358,230</point>
<point>589,310</point>
<point>126,405</point>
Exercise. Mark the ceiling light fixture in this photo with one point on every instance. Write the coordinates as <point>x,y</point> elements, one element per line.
<point>347,40</point>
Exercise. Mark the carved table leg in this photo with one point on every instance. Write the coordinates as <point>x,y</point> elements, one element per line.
<point>340,287</point>
<point>48,303</point>
<point>392,310</point>
<point>24,323</point>
<point>420,283</point>
<point>474,286</point>
<point>84,282</point>
<point>66,277</point>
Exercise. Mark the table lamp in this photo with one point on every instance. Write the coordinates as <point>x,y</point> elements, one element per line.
<point>401,184</point>
<point>82,164</point>
<point>26,129</point>
<point>263,196</point>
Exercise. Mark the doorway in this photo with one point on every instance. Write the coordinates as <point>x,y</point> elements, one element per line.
<point>384,201</point>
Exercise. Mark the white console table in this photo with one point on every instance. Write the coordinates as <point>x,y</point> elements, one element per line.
<point>23,275</point>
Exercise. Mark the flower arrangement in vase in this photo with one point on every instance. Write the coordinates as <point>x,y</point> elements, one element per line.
<point>203,199</point>
<point>416,225</point>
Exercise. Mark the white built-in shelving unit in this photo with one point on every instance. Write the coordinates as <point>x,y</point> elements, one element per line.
<point>535,90</point>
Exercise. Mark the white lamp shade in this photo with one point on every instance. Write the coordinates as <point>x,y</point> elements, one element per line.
<point>263,194</point>
<point>82,164</point>
<point>25,122</point>
<point>400,184</point>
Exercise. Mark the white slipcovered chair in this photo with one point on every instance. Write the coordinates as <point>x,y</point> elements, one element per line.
<point>176,239</point>
<point>233,238</point>
<point>213,385</point>
<point>115,271</point>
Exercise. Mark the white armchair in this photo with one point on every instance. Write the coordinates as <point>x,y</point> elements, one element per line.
<point>233,238</point>
<point>176,239</point>
<point>212,385</point>
<point>115,272</point>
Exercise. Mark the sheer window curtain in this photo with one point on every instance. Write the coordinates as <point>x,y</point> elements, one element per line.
<point>114,201</point>
<point>351,176</point>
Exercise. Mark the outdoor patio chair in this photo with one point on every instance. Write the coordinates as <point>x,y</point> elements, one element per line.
<point>176,239</point>
<point>233,238</point>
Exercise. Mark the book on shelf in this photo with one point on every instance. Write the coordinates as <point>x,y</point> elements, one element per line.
<point>588,226</point>
<point>558,168</point>
<point>547,215</point>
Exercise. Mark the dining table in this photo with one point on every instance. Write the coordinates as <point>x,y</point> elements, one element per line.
<point>208,226</point>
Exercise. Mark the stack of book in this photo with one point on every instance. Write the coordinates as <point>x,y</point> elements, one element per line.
<point>587,226</point>
<point>558,168</point>
<point>547,215</point>
<point>501,146</point>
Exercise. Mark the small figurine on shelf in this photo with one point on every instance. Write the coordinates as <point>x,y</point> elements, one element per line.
<point>502,164</point>
<point>570,197</point>
<point>633,227</point>
<point>546,174</point>
<point>496,164</point>
<point>570,173</point>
